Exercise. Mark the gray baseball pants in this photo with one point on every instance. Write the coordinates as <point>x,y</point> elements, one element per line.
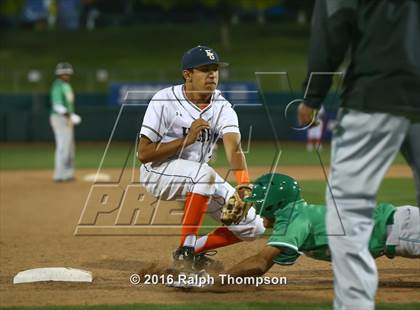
<point>404,234</point>
<point>64,147</point>
<point>364,146</point>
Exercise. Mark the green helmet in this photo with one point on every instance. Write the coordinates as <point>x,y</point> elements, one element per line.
<point>272,192</point>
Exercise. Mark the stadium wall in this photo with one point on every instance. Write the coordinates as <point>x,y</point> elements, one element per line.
<point>26,118</point>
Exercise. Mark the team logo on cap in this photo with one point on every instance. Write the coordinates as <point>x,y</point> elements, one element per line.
<point>210,54</point>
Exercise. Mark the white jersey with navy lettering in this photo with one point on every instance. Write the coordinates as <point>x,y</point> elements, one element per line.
<point>170,114</point>
<point>169,117</point>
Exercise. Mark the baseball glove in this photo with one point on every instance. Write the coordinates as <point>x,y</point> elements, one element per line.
<point>236,208</point>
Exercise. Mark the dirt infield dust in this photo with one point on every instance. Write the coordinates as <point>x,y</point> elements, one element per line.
<point>37,222</point>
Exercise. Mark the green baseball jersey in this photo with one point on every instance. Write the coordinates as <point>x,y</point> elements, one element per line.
<point>62,97</point>
<point>299,228</point>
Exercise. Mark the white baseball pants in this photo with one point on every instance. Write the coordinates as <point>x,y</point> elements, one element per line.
<point>64,147</point>
<point>175,178</point>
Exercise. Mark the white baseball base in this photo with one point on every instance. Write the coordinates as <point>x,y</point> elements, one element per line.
<point>97,177</point>
<point>63,274</point>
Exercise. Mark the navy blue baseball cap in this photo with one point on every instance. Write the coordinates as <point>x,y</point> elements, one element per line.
<point>200,56</point>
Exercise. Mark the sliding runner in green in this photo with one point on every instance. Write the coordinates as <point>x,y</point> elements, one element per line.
<point>299,228</point>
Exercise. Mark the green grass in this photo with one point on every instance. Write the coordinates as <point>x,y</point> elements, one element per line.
<point>215,306</point>
<point>149,52</point>
<point>397,191</point>
<point>30,156</point>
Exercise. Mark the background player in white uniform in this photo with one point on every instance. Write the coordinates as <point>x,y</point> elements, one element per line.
<point>62,119</point>
<point>180,128</point>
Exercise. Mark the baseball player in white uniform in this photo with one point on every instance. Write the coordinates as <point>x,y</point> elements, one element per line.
<point>62,120</point>
<point>180,129</point>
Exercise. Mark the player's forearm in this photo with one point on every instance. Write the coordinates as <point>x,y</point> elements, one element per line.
<point>237,160</point>
<point>253,266</point>
<point>234,154</point>
<point>160,151</point>
<point>256,265</point>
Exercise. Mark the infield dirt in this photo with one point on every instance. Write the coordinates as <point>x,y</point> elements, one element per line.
<point>38,219</point>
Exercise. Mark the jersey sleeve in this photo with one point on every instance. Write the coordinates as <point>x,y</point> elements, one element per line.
<point>153,125</point>
<point>58,104</point>
<point>228,121</point>
<point>286,257</point>
<point>333,24</point>
<point>290,236</point>
<point>69,96</point>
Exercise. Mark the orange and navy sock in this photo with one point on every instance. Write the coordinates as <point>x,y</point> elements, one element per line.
<point>218,238</point>
<point>195,209</point>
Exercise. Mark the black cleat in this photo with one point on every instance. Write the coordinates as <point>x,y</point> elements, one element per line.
<point>203,261</point>
<point>183,258</point>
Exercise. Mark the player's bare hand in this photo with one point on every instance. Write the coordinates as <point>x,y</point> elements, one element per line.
<point>196,127</point>
<point>306,116</point>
